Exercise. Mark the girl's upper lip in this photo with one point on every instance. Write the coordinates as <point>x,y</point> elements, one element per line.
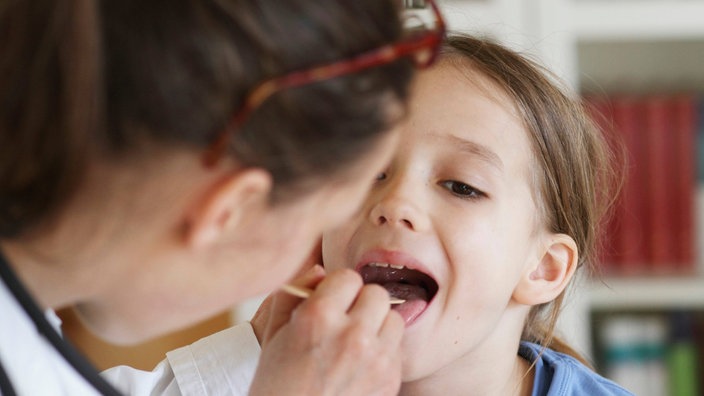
<point>394,257</point>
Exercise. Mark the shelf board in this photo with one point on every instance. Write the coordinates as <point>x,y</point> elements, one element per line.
<point>638,19</point>
<point>463,15</point>
<point>500,19</point>
<point>648,293</point>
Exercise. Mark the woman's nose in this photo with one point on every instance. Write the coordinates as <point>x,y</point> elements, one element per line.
<point>395,208</point>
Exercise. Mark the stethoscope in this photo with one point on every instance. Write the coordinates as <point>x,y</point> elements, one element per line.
<point>67,351</point>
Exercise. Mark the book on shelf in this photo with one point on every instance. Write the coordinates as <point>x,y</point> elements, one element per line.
<point>658,164</point>
<point>699,115</point>
<point>698,334</point>
<point>634,347</point>
<point>685,123</point>
<point>652,229</point>
<point>632,207</point>
<point>682,356</point>
<point>601,111</point>
<point>651,353</point>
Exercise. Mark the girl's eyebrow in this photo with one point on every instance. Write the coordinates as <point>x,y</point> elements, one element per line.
<point>473,148</point>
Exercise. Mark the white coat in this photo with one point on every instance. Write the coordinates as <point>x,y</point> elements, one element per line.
<point>221,364</point>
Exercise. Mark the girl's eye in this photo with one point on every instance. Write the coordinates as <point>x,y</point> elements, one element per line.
<point>380,176</point>
<point>461,189</point>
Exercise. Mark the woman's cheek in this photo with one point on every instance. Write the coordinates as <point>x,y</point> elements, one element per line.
<point>334,244</point>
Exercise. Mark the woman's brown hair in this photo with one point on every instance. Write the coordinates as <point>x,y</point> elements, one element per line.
<point>575,178</point>
<point>83,79</point>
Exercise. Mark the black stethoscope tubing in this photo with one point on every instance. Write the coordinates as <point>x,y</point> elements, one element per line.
<point>65,349</point>
<point>6,388</point>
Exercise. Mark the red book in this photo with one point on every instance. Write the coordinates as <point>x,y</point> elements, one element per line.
<point>657,133</point>
<point>600,110</point>
<point>632,206</point>
<point>684,128</point>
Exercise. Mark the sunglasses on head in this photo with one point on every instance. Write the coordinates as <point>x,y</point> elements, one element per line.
<point>422,45</point>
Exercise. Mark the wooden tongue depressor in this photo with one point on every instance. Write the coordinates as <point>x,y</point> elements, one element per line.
<point>304,292</point>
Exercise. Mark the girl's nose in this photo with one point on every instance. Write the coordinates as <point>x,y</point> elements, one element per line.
<point>394,209</point>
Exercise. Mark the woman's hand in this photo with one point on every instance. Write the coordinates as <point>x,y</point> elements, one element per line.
<point>343,340</point>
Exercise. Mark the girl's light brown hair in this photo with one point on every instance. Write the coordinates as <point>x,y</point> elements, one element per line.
<point>574,172</point>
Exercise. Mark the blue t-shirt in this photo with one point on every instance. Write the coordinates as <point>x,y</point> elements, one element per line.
<point>557,374</point>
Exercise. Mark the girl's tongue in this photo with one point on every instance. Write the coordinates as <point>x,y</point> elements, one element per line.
<point>413,286</point>
<point>416,299</point>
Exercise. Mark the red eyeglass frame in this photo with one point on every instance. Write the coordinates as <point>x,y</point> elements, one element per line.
<point>416,44</point>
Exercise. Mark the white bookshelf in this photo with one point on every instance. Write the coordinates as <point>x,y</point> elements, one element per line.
<point>595,45</point>
<point>637,20</point>
<point>504,19</point>
<point>647,293</point>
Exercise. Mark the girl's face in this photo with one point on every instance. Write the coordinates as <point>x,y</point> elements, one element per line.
<point>451,226</point>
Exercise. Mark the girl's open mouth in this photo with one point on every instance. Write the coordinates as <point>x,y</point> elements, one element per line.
<point>414,286</point>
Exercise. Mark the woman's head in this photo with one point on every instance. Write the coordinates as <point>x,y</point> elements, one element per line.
<point>89,79</point>
<point>108,107</point>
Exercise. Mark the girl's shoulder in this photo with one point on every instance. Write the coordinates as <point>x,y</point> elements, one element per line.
<point>556,374</point>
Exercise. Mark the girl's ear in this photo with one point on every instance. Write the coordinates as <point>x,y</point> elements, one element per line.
<point>544,282</point>
<point>221,207</point>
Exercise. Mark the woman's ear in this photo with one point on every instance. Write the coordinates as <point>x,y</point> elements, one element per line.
<point>221,206</point>
<point>545,281</point>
